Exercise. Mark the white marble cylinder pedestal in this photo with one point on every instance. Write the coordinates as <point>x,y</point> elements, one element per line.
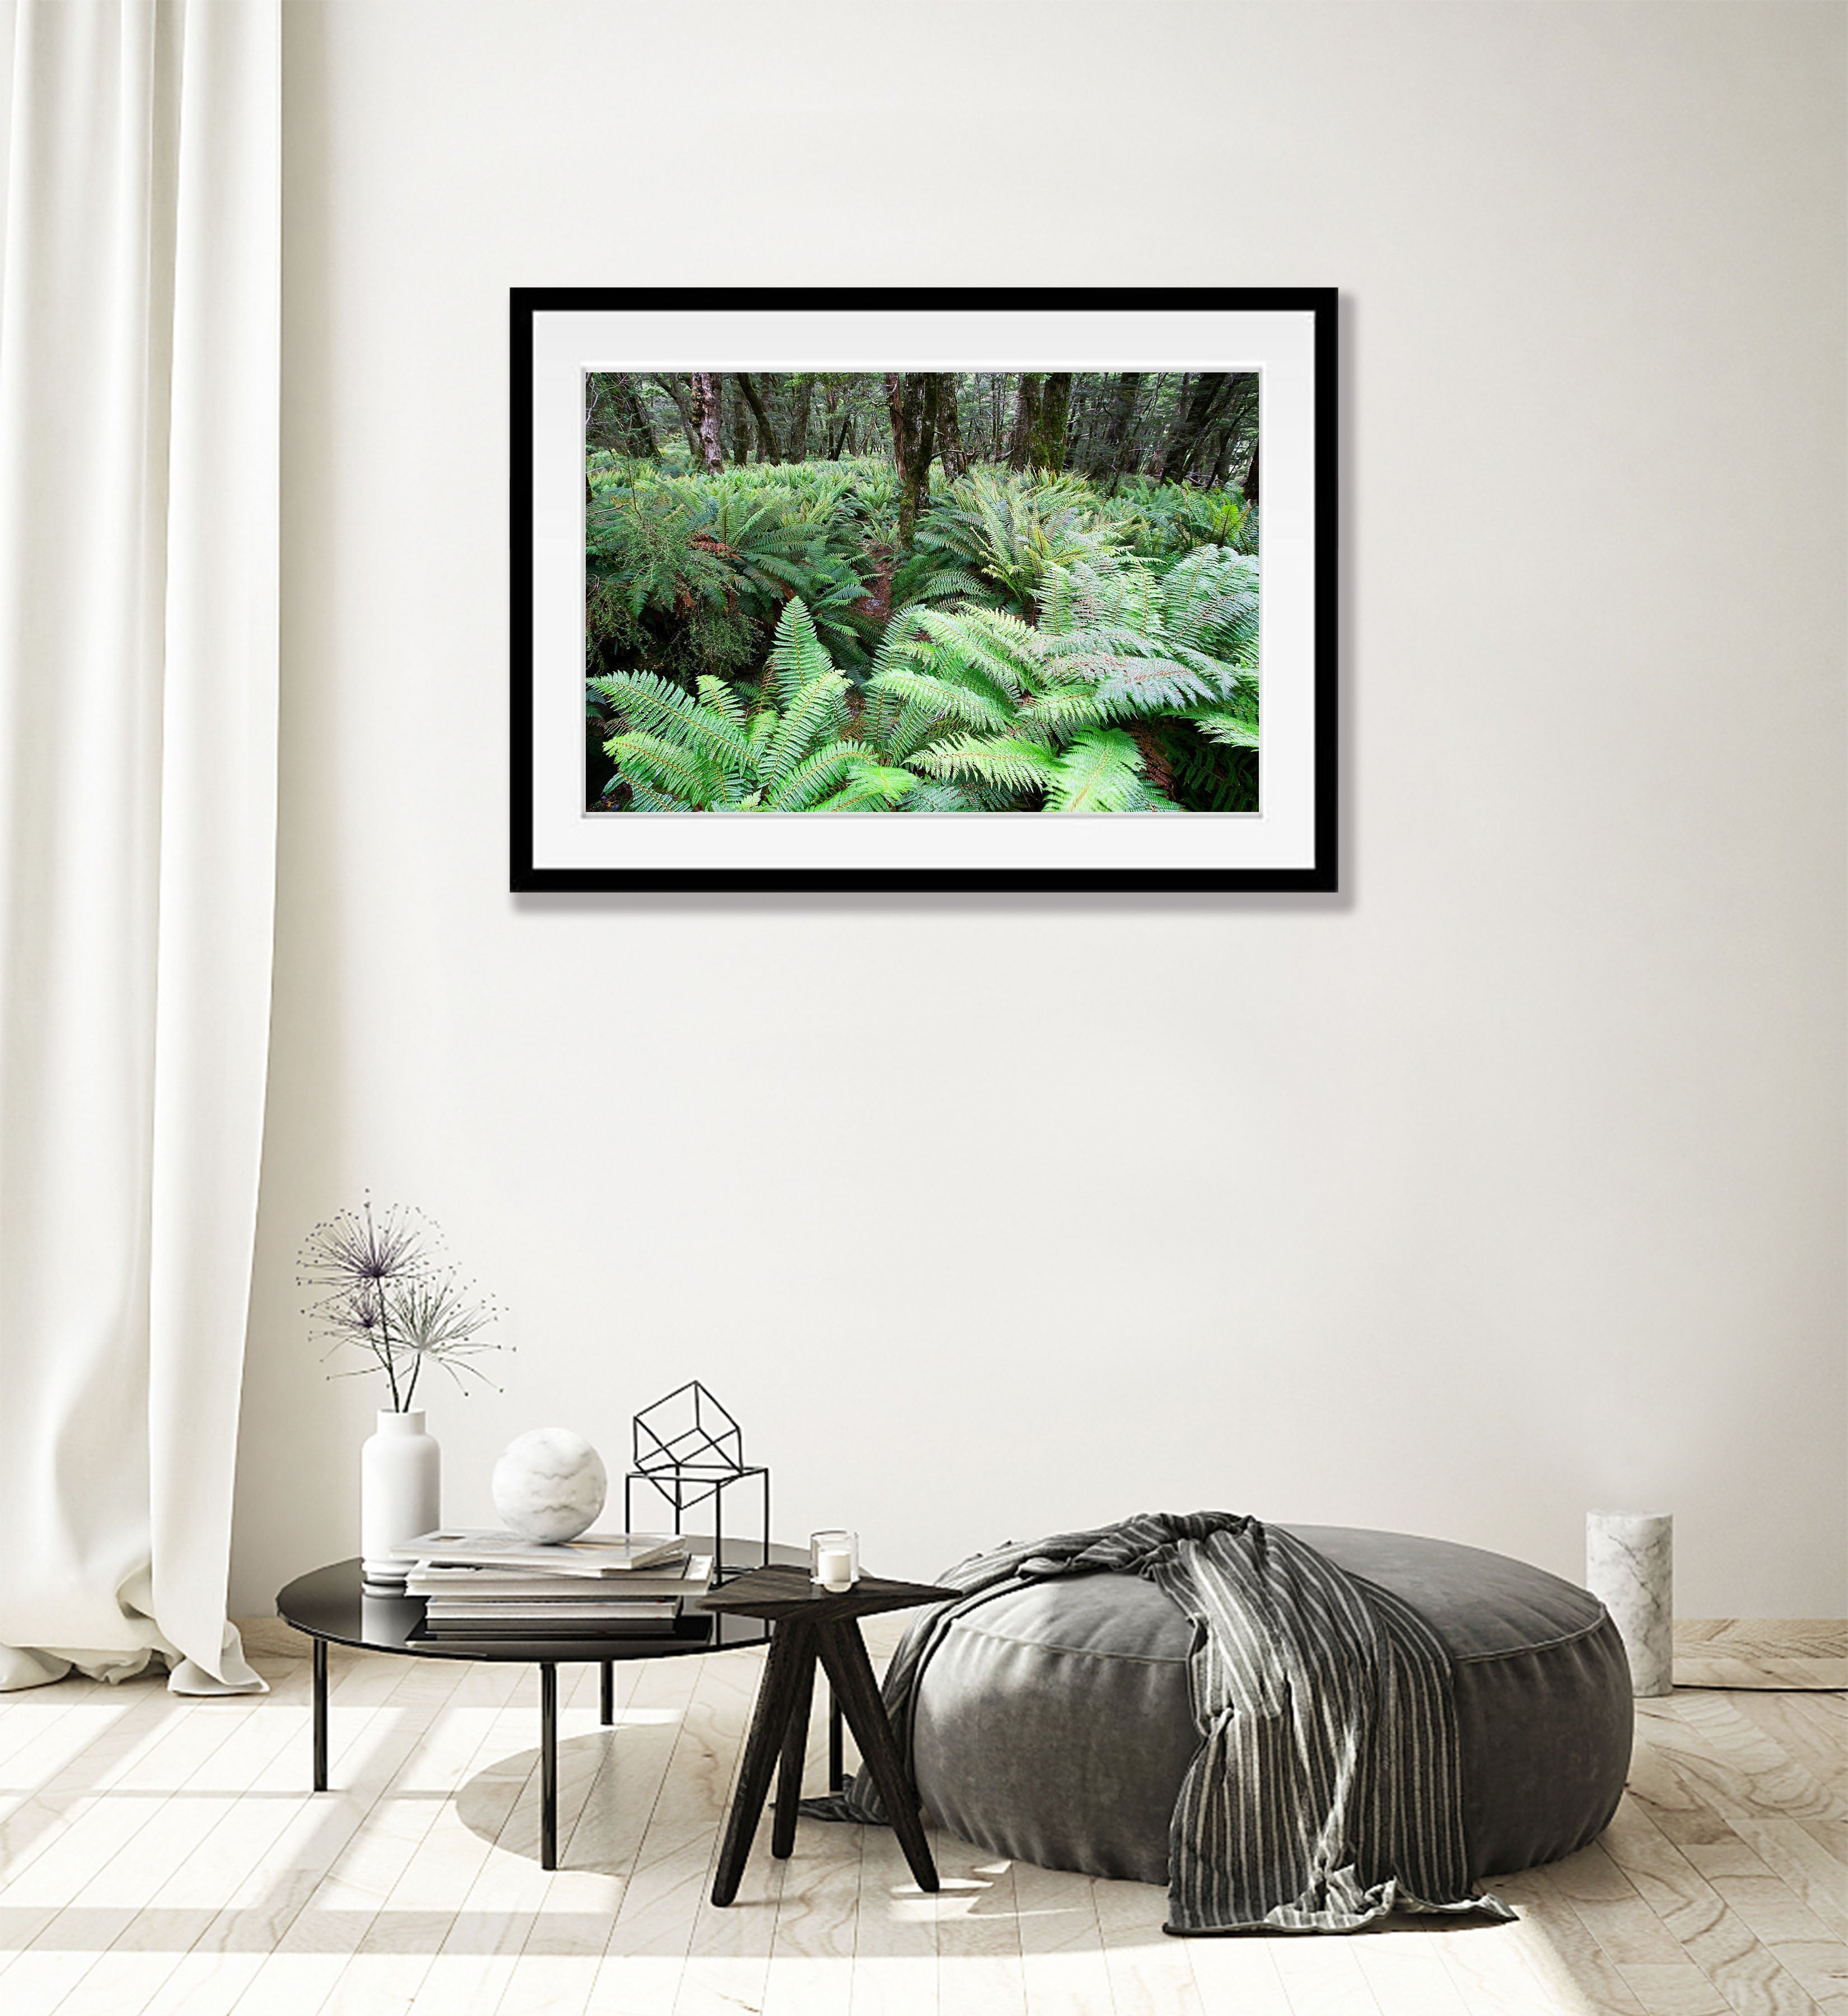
<point>1630,1567</point>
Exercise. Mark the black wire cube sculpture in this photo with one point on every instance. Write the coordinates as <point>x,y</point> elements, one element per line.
<point>688,1449</point>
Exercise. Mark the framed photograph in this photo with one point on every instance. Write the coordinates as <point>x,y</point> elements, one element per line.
<point>924,590</point>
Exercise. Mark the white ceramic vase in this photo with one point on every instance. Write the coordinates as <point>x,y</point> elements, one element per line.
<point>401,1470</point>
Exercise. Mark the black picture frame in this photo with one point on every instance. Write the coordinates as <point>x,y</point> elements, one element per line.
<point>1316,871</point>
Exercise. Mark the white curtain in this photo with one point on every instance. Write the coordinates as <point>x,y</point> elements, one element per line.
<point>140,377</point>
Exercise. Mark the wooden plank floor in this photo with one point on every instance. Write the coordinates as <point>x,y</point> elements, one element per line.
<point>161,1857</point>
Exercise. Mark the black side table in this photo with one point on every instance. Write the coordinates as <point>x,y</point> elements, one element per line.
<point>333,1605</point>
<point>811,1624</point>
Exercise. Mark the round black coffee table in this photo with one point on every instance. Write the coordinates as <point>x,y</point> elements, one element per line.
<point>331,1605</point>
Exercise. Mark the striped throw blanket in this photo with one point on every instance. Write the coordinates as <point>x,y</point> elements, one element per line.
<point>1326,1790</point>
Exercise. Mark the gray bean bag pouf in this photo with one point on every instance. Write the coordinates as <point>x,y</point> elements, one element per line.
<point>1054,1725</point>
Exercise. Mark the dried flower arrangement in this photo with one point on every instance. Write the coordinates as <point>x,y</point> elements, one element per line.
<point>387,1289</point>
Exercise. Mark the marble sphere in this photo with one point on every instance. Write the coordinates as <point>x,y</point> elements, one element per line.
<point>550,1485</point>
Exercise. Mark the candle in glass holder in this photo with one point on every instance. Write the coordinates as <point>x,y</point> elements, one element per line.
<point>833,1559</point>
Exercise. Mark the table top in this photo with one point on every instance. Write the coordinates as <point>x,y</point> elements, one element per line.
<point>333,1602</point>
<point>782,1593</point>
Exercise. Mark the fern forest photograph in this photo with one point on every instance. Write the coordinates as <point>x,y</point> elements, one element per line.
<point>905,591</point>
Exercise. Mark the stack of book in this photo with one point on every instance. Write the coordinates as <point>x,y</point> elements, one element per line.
<point>487,1585</point>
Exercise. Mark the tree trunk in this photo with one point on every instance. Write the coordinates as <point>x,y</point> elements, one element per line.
<point>1224,440</point>
<point>911,400</point>
<point>706,395</point>
<point>917,481</point>
<point>1026,421</point>
<point>615,418</point>
<point>682,405</point>
<point>1235,424</point>
<point>738,418</point>
<point>800,387</point>
<point>1158,462</point>
<point>1114,457</point>
<point>950,434</point>
<point>898,389</point>
<point>766,435</point>
<point>641,432</point>
<point>1049,434</point>
<point>1250,485</point>
<point>1081,426</point>
<point>1191,427</point>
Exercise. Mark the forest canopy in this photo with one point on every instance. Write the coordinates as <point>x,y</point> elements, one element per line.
<point>917,591</point>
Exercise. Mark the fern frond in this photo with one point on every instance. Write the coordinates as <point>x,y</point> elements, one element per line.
<point>1007,760</point>
<point>902,632</point>
<point>722,697</point>
<point>869,787</point>
<point>1100,773</point>
<point>644,797</point>
<point>665,766</point>
<point>936,795</point>
<point>941,698</point>
<point>1230,729</point>
<point>669,710</point>
<point>945,582</point>
<point>1145,684</point>
<point>1063,711</point>
<point>816,711</point>
<point>813,778</point>
<point>1210,599</point>
<point>998,649</point>
<point>798,658</point>
<point>792,573</point>
<point>901,726</point>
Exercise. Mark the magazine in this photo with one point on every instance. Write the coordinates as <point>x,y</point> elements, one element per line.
<point>590,1553</point>
<point>476,1582</point>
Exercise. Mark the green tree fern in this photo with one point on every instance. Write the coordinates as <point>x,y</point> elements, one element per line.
<point>790,749</point>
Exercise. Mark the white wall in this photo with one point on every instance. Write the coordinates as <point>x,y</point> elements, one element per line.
<point>1509,1183</point>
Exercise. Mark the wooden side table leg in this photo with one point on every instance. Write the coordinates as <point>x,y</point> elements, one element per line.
<point>791,1660</point>
<point>837,1762</point>
<point>850,1673</point>
<point>320,1714</point>
<point>606,1699</point>
<point>795,1750</point>
<point>548,1765</point>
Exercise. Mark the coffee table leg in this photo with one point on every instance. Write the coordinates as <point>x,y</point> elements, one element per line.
<point>836,1763</point>
<point>792,1655</point>
<point>850,1673</point>
<point>606,1710</point>
<point>548,1765</point>
<point>320,1717</point>
<point>795,1750</point>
